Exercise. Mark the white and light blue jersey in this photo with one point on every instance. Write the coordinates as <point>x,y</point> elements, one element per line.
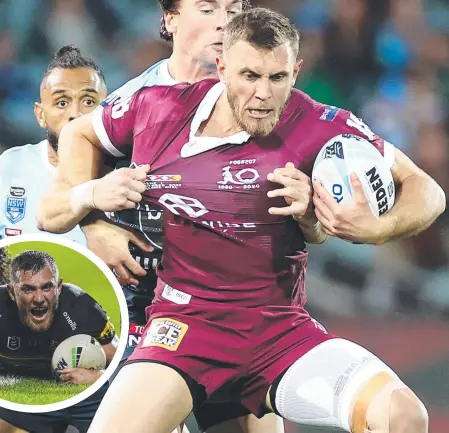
<point>156,75</point>
<point>25,174</point>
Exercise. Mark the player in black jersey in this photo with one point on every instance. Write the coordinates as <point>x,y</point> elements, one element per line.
<point>38,311</point>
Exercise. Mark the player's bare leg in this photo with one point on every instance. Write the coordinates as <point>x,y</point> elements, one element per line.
<point>6,427</point>
<point>371,398</point>
<point>386,405</point>
<point>157,393</point>
<point>270,423</point>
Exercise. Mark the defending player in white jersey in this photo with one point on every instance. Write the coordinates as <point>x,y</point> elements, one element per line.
<point>72,86</point>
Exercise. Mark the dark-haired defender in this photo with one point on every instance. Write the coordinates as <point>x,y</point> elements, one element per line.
<point>72,85</point>
<point>228,322</point>
<point>37,312</point>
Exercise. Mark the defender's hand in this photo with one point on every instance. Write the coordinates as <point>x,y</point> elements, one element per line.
<point>297,193</point>
<point>120,189</point>
<point>110,242</point>
<point>79,376</point>
<point>354,222</point>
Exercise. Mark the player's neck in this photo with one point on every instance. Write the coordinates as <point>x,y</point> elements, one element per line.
<point>221,122</point>
<point>52,156</point>
<point>185,69</point>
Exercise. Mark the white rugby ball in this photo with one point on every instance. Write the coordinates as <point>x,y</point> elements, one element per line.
<point>346,154</point>
<point>78,351</point>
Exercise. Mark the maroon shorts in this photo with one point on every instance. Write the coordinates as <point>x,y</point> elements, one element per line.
<point>233,354</point>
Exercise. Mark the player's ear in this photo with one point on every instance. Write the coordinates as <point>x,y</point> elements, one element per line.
<point>171,22</point>
<point>297,70</point>
<point>59,285</point>
<point>40,115</point>
<point>11,292</point>
<point>221,68</point>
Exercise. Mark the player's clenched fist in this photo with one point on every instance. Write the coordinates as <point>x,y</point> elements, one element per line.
<point>118,190</point>
<point>297,192</point>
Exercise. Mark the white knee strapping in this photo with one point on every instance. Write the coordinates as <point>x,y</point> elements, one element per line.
<point>320,388</point>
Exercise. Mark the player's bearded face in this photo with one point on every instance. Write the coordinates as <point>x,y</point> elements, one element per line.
<point>259,83</point>
<point>37,297</point>
<point>67,94</point>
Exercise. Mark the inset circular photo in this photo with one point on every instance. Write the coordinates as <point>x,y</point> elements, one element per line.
<point>62,313</point>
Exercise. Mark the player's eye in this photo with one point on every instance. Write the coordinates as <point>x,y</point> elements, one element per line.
<point>278,77</point>
<point>251,77</point>
<point>207,11</point>
<point>62,104</point>
<point>233,13</point>
<point>28,290</point>
<point>89,102</point>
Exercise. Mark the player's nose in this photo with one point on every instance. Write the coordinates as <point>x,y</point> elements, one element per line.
<point>75,112</point>
<point>263,90</point>
<point>39,297</point>
<point>222,19</point>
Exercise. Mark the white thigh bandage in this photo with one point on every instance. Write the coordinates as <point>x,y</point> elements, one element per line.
<point>320,387</point>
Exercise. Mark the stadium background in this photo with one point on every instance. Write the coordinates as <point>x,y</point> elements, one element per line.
<point>388,61</point>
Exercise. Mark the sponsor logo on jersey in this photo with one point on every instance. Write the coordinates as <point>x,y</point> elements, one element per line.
<point>107,333</point>
<point>377,187</point>
<point>160,181</point>
<point>245,178</point>
<point>164,177</point>
<point>12,232</point>
<point>15,209</point>
<point>329,113</point>
<point>225,226</point>
<point>71,323</point>
<point>334,149</point>
<point>175,295</point>
<point>17,191</point>
<point>165,333</point>
<point>13,343</point>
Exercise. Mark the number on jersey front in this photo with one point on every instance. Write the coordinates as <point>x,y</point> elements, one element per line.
<point>191,206</point>
<point>361,126</point>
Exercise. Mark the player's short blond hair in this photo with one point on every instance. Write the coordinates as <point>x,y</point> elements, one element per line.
<point>262,28</point>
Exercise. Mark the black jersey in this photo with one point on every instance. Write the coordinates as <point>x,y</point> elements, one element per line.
<point>27,352</point>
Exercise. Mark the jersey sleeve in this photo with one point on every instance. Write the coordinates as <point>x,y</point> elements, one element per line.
<point>349,123</point>
<point>115,123</point>
<point>97,323</point>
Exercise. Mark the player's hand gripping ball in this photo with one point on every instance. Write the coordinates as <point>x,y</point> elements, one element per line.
<point>297,191</point>
<point>353,187</point>
<point>78,351</point>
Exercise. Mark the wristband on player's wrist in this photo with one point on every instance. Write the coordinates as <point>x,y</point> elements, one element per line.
<point>82,197</point>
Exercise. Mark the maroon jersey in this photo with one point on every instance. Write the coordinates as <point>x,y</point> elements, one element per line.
<point>221,244</point>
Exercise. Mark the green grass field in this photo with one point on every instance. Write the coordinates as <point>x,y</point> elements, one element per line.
<point>35,391</point>
<point>76,269</point>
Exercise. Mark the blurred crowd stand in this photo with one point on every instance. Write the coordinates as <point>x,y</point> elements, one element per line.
<point>386,60</point>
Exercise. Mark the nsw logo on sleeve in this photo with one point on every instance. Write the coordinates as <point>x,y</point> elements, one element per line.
<point>165,333</point>
<point>15,208</point>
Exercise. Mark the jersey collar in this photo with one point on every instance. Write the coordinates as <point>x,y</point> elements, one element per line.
<point>197,144</point>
